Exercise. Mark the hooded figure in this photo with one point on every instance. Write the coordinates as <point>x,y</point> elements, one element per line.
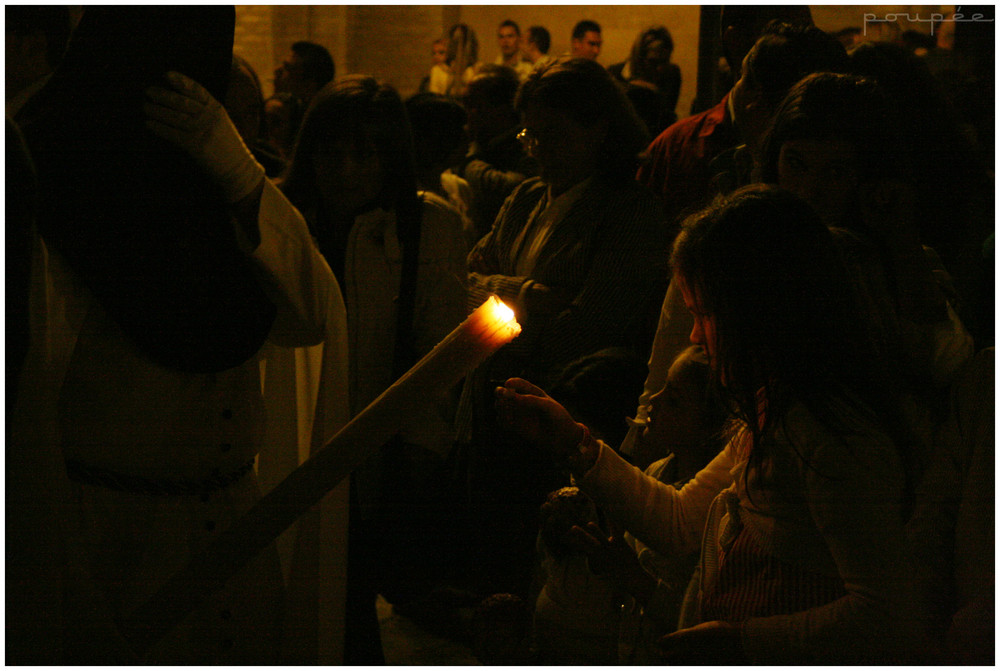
<point>148,234</point>
<point>140,414</point>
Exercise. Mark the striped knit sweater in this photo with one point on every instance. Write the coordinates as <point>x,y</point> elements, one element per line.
<point>815,569</point>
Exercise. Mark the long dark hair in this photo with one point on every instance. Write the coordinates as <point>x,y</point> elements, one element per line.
<point>826,105</point>
<point>462,53</point>
<point>586,92</point>
<point>242,68</point>
<point>372,116</point>
<point>637,56</point>
<point>368,112</point>
<point>787,321</point>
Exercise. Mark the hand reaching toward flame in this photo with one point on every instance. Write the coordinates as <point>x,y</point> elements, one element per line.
<point>535,416</point>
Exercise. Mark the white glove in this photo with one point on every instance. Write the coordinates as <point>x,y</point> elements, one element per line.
<point>190,118</point>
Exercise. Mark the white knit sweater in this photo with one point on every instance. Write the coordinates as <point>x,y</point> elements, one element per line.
<point>829,504</point>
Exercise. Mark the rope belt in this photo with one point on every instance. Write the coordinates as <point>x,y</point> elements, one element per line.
<point>100,477</point>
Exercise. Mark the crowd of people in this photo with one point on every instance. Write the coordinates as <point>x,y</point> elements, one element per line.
<point>748,417</point>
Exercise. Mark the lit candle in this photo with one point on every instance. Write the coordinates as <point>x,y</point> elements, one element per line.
<point>486,330</point>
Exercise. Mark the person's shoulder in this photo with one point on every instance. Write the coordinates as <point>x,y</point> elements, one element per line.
<point>524,69</point>
<point>519,204</point>
<point>439,212</point>
<point>472,71</point>
<point>682,129</point>
<point>630,209</point>
<point>679,130</point>
<point>532,186</point>
<point>442,230</point>
<point>627,190</point>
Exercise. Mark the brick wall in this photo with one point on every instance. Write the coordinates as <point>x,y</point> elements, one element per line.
<point>390,42</point>
<point>254,41</point>
<point>620,25</point>
<point>393,42</point>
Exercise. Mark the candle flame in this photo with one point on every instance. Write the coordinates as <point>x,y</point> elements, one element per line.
<point>501,312</point>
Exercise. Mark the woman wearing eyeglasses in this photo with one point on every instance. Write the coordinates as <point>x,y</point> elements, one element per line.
<point>580,253</point>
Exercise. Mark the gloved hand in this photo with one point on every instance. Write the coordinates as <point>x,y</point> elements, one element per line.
<point>189,117</point>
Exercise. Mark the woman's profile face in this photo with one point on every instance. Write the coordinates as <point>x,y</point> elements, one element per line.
<point>348,174</point>
<point>824,173</point>
<point>566,150</point>
<point>656,60</point>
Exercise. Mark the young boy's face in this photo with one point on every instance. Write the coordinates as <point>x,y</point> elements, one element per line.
<point>676,413</point>
<point>439,52</point>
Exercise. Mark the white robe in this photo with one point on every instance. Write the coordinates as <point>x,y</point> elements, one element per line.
<point>89,395</point>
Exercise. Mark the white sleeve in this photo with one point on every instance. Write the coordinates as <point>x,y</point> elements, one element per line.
<point>666,519</point>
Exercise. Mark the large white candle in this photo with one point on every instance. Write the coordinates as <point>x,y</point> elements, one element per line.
<point>488,328</point>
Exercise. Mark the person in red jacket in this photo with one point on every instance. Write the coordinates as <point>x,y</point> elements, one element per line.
<point>678,167</point>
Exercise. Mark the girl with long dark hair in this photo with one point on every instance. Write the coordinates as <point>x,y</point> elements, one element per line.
<point>399,254</point>
<point>800,517</point>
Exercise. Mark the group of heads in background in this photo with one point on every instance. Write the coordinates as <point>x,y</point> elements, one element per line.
<point>861,123</point>
<point>460,43</point>
<point>586,40</point>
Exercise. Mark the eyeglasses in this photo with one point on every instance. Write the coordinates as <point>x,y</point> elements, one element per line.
<point>528,140</point>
